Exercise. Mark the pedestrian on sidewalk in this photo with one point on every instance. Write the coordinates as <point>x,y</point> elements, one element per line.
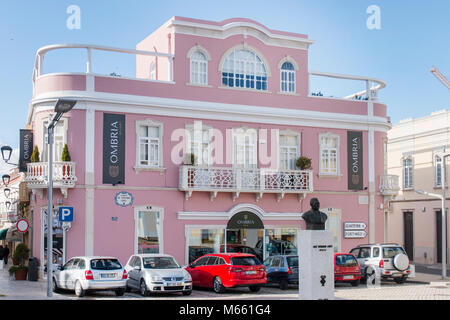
<point>6,254</point>
<point>2,252</point>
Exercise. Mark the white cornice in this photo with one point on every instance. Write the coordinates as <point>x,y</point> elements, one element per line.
<point>213,110</point>
<point>245,28</point>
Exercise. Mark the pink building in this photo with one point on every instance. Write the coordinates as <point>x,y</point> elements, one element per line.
<point>234,93</point>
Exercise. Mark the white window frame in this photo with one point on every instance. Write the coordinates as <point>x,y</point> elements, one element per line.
<point>149,123</point>
<point>149,208</point>
<point>57,153</point>
<point>408,183</point>
<point>245,68</point>
<point>153,70</point>
<point>193,137</point>
<point>239,138</point>
<point>195,65</point>
<point>437,165</point>
<point>324,148</point>
<point>297,146</point>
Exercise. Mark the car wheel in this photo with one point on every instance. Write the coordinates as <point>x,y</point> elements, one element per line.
<point>143,288</point>
<point>355,283</point>
<point>187,293</point>
<point>120,292</point>
<point>400,280</point>
<point>55,286</point>
<point>254,288</point>
<point>284,284</point>
<point>79,291</point>
<point>218,286</point>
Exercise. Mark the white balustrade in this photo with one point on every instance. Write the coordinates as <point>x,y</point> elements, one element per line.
<point>63,175</point>
<point>260,181</point>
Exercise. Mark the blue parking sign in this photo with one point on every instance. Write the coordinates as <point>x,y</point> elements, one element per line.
<point>65,214</point>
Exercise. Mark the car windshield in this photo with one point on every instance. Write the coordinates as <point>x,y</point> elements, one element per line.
<point>346,260</point>
<point>292,262</point>
<point>390,252</point>
<point>160,263</point>
<point>245,261</point>
<point>105,264</point>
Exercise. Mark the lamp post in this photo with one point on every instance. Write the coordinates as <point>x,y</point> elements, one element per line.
<point>444,229</point>
<point>61,107</point>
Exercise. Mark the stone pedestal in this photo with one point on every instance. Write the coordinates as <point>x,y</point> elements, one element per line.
<point>316,264</point>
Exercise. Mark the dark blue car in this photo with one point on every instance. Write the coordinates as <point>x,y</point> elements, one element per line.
<point>282,270</point>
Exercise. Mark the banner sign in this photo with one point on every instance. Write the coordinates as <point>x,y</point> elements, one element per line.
<point>113,148</point>
<point>26,149</point>
<point>355,160</point>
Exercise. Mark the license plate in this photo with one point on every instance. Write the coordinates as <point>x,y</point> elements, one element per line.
<point>348,277</point>
<point>250,272</point>
<point>174,284</point>
<point>108,275</point>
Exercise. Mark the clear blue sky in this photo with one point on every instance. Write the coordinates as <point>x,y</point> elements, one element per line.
<point>414,36</point>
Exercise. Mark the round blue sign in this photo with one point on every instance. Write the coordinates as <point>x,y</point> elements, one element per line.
<point>124,199</point>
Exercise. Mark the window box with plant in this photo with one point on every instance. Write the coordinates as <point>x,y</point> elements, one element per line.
<point>21,254</point>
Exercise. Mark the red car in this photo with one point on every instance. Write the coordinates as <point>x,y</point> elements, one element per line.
<point>227,270</point>
<point>346,269</point>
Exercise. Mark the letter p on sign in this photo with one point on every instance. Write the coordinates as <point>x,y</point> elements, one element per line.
<point>65,214</point>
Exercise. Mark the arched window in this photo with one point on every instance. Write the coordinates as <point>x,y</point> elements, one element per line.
<point>242,68</point>
<point>287,77</point>
<point>199,68</point>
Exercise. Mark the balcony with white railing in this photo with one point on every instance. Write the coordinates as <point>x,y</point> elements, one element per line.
<point>63,176</point>
<point>389,184</point>
<point>237,180</point>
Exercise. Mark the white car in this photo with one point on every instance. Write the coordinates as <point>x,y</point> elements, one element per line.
<point>157,273</point>
<point>91,273</point>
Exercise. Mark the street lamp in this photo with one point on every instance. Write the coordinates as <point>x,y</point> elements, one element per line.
<point>6,153</point>
<point>6,178</point>
<point>62,106</point>
<point>7,192</point>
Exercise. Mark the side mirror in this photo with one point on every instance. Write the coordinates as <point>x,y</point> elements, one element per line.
<point>59,268</point>
<point>192,266</point>
<point>137,268</point>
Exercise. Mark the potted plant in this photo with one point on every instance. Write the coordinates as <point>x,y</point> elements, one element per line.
<point>303,163</point>
<point>65,157</point>
<point>35,155</point>
<point>190,159</point>
<point>20,255</point>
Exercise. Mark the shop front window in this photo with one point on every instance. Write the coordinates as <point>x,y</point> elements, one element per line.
<point>280,241</point>
<point>149,232</point>
<point>58,234</point>
<point>204,241</point>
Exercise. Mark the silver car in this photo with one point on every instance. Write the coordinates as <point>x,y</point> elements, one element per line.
<point>157,273</point>
<point>91,273</point>
<point>389,258</point>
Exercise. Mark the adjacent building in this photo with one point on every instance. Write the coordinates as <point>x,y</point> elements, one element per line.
<point>415,148</point>
<point>235,95</point>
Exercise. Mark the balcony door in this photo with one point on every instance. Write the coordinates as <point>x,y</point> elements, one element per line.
<point>245,158</point>
<point>59,140</point>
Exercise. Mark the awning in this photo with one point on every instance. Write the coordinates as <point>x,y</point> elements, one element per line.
<point>3,233</point>
<point>13,235</point>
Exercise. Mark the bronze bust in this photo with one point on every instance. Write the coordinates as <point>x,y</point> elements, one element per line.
<point>315,219</point>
